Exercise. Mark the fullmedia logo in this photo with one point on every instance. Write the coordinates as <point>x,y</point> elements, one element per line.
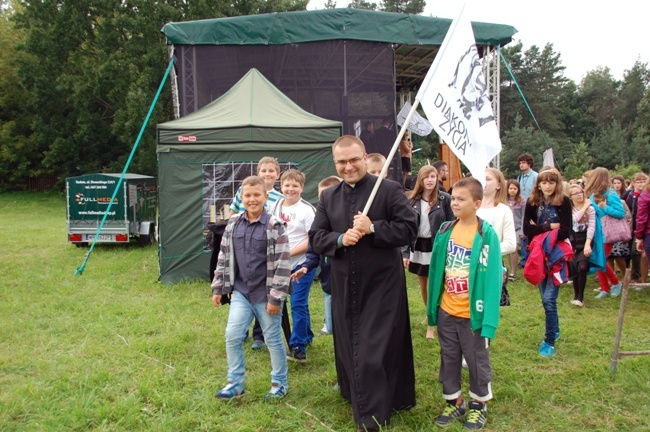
<point>187,138</point>
<point>82,200</point>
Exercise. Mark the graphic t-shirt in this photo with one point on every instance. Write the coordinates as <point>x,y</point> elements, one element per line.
<point>298,218</point>
<point>455,298</point>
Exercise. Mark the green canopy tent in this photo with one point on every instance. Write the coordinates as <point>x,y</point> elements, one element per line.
<point>204,156</point>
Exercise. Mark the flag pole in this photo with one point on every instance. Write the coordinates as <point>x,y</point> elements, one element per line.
<point>384,169</point>
<point>407,121</point>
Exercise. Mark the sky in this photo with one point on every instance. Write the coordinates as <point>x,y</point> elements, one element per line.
<point>586,34</point>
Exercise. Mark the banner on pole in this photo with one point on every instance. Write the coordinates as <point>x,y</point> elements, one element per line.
<point>418,124</point>
<point>455,99</point>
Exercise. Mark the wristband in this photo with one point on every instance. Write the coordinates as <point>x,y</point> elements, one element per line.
<point>339,241</point>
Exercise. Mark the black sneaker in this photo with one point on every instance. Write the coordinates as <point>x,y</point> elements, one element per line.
<point>477,415</point>
<point>451,413</point>
<point>297,355</point>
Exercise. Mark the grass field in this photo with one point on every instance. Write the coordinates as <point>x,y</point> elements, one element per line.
<point>114,350</point>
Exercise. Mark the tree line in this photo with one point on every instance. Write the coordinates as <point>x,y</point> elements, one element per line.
<point>77,78</point>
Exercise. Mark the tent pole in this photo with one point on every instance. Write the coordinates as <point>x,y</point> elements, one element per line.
<point>81,268</point>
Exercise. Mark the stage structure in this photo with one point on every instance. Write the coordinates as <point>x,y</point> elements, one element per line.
<point>343,66</point>
<point>340,64</point>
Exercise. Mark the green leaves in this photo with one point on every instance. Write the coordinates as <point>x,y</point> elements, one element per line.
<point>77,78</point>
<point>599,119</point>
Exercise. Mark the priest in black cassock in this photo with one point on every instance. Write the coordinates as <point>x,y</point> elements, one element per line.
<point>372,340</point>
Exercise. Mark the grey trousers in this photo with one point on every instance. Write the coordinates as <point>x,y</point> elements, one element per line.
<point>457,340</point>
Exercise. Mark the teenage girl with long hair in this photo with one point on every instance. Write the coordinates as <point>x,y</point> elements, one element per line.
<point>495,210</point>
<point>620,254</point>
<point>638,261</point>
<point>433,208</point>
<point>607,202</point>
<point>548,209</point>
<point>517,205</point>
<point>584,228</point>
<point>642,229</point>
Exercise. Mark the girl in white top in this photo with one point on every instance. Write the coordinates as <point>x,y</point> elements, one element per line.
<point>495,210</point>
<point>517,204</point>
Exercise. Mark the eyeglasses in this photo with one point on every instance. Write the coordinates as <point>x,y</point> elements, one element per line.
<point>352,161</point>
<point>577,193</point>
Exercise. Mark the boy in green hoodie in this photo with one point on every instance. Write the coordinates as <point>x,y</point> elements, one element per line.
<point>464,293</point>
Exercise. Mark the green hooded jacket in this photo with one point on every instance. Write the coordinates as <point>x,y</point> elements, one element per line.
<point>485,277</point>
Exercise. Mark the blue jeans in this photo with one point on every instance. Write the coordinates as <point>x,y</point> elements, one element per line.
<point>329,326</point>
<point>549,293</point>
<point>239,319</point>
<point>301,335</point>
<point>523,252</point>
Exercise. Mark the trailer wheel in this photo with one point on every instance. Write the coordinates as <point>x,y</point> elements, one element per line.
<point>148,239</point>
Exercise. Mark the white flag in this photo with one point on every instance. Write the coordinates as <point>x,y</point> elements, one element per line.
<point>418,124</point>
<point>454,97</point>
<point>549,159</point>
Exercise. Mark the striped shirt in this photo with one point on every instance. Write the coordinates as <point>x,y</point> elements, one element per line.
<point>278,271</point>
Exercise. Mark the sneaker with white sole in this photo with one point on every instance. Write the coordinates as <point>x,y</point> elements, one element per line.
<point>451,413</point>
<point>602,295</point>
<point>297,355</point>
<point>230,391</point>
<point>477,415</point>
<point>324,332</point>
<point>615,290</point>
<point>546,350</point>
<point>277,391</point>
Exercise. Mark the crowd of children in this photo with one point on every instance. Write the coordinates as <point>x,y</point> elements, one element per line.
<point>563,230</point>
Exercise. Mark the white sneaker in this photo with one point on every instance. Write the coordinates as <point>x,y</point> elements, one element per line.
<point>324,331</point>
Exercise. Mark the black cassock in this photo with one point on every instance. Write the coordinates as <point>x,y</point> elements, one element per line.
<point>372,331</point>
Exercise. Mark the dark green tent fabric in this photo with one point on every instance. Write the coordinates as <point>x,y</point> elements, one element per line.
<point>328,24</point>
<point>253,119</point>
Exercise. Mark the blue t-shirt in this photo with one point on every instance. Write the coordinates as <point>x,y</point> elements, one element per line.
<point>527,183</point>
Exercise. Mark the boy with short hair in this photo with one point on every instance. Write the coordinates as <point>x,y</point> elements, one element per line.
<point>375,164</point>
<point>528,176</point>
<point>253,267</point>
<point>268,168</point>
<point>298,214</point>
<point>464,294</point>
<point>312,261</point>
